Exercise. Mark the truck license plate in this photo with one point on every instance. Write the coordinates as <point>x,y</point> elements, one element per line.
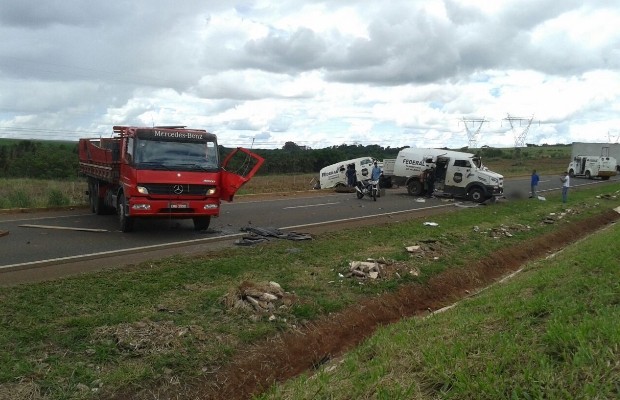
<point>178,205</point>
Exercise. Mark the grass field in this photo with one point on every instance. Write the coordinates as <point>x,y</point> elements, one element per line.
<point>550,333</point>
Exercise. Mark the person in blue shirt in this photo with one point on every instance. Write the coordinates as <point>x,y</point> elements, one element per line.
<point>375,174</point>
<point>534,183</point>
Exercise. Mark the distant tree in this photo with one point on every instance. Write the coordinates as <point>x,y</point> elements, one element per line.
<point>291,146</point>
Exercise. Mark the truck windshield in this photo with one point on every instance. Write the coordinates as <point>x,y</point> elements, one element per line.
<point>176,155</point>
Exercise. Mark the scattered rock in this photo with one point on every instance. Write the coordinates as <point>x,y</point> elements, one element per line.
<point>502,230</point>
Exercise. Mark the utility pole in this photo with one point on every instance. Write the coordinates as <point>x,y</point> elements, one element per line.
<point>471,134</point>
<point>519,137</point>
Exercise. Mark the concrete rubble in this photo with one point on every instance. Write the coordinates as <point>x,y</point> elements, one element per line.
<point>372,269</point>
<point>261,298</point>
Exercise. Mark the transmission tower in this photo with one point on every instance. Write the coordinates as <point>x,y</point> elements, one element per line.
<point>519,137</point>
<point>471,134</point>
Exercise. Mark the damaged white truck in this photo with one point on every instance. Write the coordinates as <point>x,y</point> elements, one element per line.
<point>457,174</point>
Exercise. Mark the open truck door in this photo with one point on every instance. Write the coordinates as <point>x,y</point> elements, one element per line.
<point>245,164</point>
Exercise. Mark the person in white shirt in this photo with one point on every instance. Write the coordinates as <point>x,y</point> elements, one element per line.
<point>565,184</point>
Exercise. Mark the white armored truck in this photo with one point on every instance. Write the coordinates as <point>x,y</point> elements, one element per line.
<point>457,174</point>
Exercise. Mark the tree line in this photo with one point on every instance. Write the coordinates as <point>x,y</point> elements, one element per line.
<point>59,160</point>
<point>38,159</point>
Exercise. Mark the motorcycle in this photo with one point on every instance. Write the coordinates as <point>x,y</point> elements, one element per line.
<point>367,188</point>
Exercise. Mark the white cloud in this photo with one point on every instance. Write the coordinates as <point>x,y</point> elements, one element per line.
<point>316,73</point>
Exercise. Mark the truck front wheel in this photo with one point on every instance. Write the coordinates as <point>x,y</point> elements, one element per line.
<point>476,194</point>
<point>415,188</point>
<point>201,223</point>
<point>126,222</point>
<point>588,175</point>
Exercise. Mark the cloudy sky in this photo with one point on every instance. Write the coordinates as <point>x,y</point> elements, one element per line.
<point>423,73</point>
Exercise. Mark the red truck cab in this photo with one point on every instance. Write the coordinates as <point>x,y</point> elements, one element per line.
<point>162,171</point>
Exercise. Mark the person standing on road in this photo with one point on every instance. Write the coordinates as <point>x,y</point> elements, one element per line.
<point>534,184</point>
<point>351,175</point>
<point>565,184</point>
<point>430,180</point>
<point>376,173</point>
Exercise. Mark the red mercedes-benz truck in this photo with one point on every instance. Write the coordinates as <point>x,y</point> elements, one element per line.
<point>162,171</point>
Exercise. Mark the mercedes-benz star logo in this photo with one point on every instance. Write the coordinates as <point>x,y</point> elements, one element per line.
<point>177,189</point>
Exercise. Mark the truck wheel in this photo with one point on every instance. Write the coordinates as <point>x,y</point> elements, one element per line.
<point>91,196</point>
<point>415,188</point>
<point>588,176</point>
<point>97,205</point>
<point>201,223</point>
<point>477,195</point>
<point>571,173</point>
<point>126,222</point>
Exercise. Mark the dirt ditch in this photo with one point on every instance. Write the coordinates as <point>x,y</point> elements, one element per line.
<point>277,359</point>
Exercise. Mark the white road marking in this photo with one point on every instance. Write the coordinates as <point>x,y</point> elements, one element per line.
<point>310,205</point>
<point>68,228</point>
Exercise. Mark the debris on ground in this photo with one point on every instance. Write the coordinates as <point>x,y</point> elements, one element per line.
<point>552,218</point>
<point>259,235</point>
<point>149,337</point>
<point>468,205</point>
<point>607,196</point>
<point>426,249</point>
<point>378,269</point>
<point>260,298</point>
<point>503,230</point>
<point>430,224</point>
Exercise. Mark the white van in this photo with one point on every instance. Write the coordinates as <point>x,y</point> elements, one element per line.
<point>592,167</point>
<point>335,175</point>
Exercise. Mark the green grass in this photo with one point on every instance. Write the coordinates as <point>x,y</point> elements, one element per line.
<point>127,328</point>
<point>41,193</point>
<point>551,332</point>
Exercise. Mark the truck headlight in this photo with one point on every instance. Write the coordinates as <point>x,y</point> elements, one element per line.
<point>142,190</point>
<point>211,191</point>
